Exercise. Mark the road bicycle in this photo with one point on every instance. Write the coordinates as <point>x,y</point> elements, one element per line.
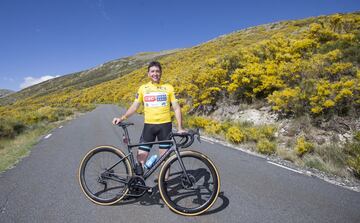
<point>188,181</point>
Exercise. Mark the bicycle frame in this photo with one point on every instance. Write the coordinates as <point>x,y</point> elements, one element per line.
<point>148,172</point>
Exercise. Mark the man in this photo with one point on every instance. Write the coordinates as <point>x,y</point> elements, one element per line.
<point>156,98</point>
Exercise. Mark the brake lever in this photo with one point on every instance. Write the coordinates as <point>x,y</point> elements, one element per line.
<point>198,135</point>
<point>198,138</point>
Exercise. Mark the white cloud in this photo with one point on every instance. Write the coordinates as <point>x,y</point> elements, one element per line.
<point>28,81</point>
<point>102,10</point>
<point>8,79</point>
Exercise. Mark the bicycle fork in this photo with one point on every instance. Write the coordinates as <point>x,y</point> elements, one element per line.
<point>183,168</point>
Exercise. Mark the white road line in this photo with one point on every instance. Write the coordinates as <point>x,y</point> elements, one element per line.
<point>206,140</point>
<point>48,136</point>
<point>296,171</point>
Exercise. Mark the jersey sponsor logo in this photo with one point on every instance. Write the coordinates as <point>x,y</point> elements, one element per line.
<point>155,99</point>
<point>150,98</point>
<point>161,97</point>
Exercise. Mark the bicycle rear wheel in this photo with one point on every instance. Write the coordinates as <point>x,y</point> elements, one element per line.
<point>186,197</point>
<point>101,181</point>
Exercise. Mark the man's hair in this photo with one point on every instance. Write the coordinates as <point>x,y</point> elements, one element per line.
<point>154,64</point>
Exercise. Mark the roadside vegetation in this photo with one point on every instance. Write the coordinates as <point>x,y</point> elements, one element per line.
<point>21,129</point>
<point>16,147</point>
<point>307,71</point>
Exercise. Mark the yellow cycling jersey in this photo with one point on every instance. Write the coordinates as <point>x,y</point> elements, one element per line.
<point>157,99</point>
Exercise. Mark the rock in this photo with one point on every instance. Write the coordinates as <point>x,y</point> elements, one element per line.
<point>319,140</point>
<point>258,117</point>
<point>347,136</point>
<point>341,138</point>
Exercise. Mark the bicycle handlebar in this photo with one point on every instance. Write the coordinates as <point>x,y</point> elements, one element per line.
<point>124,124</point>
<point>187,137</point>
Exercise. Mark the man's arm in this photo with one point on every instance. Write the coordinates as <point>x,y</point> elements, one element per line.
<point>133,108</point>
<point>178,116</point>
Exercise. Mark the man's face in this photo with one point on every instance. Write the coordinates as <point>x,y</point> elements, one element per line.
<point>155,74</point>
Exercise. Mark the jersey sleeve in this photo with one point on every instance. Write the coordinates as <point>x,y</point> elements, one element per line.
<point>139,95</point>
<point>172,94</point>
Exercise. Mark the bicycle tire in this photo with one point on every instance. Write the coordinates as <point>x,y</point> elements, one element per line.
<point>202,172</point>
<point>90,179</point>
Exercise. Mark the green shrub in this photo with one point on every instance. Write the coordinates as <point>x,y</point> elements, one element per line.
<point>252,134</point>
<point>64,112</point>
<point>303,146</point>
<point>48,113</point>
<point>31,117</point>
<point>267,131</point>
<point>235,135</point>
<point>354,164</point>
<point>357,136</point>
<point>332,154</point>
<point>10,128</point>
<point>353,149</point>
<point>315,162</point>
<point>265,146</point>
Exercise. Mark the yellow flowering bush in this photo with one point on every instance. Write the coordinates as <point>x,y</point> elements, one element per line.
<point>235,135</point>
<point>303,146</point>
<point>264,146</point>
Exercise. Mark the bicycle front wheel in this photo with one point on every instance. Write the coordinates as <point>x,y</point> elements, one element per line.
<point>193,191</point>
<point>103,175</point>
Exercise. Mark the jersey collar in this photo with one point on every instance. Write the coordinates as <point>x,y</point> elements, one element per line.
<point>155,84</point>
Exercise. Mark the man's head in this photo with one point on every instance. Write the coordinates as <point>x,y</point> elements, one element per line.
<point>154,71</point>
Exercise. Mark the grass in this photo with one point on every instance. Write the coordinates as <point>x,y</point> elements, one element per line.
<point>288,155</point>
<point>13,150</point>
<point>327,158</point>
<point>315,162</point>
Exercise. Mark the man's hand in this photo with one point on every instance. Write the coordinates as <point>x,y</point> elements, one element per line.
<point>118,120</point>
<point>181,130</point>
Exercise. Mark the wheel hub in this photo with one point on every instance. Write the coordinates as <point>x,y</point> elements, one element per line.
<point>185,182</point>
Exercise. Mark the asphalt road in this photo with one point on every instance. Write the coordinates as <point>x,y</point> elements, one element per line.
<point>43,187</point>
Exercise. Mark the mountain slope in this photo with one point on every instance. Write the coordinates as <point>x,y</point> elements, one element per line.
<point>88,78</point>
<point>271,63</point>
<point>4,92</point>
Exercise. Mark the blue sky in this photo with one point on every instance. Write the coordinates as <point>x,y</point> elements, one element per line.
<point>41,39</point>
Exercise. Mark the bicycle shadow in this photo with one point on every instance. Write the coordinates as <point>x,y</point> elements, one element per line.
<point>155,199</point>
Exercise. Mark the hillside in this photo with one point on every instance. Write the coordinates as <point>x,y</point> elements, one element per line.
<point>4,92</point>
<point>87,78</point>
<point>304,73</point>
<point>308,66</point>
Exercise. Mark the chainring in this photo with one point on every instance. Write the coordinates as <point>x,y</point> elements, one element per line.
<point>134,189</point>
